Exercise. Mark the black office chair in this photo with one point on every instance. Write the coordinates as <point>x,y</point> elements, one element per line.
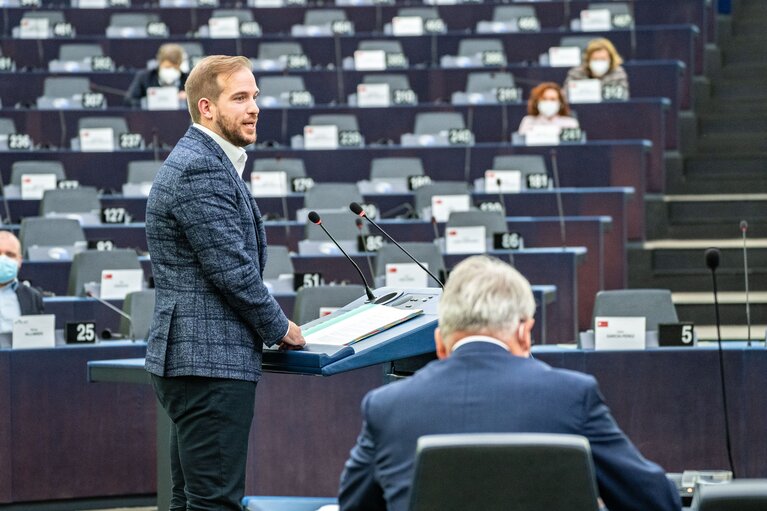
<point>737,495</point>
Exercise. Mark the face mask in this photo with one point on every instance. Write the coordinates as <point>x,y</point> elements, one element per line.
<point>169,75</point>
<point>548,107</point>
<point>9,269</point>
<point>599,67</point>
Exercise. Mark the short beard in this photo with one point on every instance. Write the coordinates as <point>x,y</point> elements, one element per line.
<point>232,135</point>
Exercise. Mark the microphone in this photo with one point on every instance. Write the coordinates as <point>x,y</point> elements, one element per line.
<point>357,210</point>
<point>435,228</point>
<point>744,229</point>
<point>501,198</point>
<point>155,144</point>
<point>712,256</point>
<point>315,219</point>
<point>107,333</point>
<point>358,223</point>
<point>558,191</point>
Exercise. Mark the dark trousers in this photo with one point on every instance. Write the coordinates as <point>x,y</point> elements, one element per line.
<point>210,426</point>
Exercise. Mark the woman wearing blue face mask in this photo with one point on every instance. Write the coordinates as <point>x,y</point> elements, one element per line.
<point>16,299</point>
<point>602,62</point>
<point>168,73</point>
<point>547,106</point>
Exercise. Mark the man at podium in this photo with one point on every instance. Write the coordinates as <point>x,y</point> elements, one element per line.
<point>486,382</point>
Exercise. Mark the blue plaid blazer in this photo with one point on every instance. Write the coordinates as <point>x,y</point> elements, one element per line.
<point>208,250</point>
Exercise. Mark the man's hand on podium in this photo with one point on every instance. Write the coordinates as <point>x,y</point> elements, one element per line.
<point>294,340</point>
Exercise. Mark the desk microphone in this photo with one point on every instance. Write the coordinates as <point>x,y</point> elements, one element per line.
<point>107,333</point>
<point>315,219</point>
<point>558,192</point>
<point>501,198</point>
<point>357,210</point>
<point>712,256</point>
<point>435,229</point>
<point>359,224</point>
<point>744,229</point>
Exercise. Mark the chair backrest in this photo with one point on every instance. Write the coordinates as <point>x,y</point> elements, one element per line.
<point>492,221</point>
<point>275,50</point>
<point>431,123</point>
<point>49,232</point>
<point>394,81</point>
<point>79,52</point>
<point>423,251</point>
<point>7,126</point>
<point>654,304</point>
<point>242,15</point>
<point>427,13</point>
<point>512,12</point>
<point>581,41</point>
<point>382,168</point>
<point>277,262</point>
<point>389,46</point>
<point>53,17</point>
<point>503,471</point>
<point>485,82</point>
<point>79,200</point>
<point>192,49</point>
<point>332,196</point>
<point>471,47</point>
<point>737,495</point>
<point>139,305</point>
<point>422,196</point>
<point>19,168</point>
<point>88,265</point>
<point>615,8</point>
<point>525,162</point>
<point>274,85</point>
<point>132,19</point>
<point>143,171</point>
<point>65,87</point>
<point>345,122</point>
<point>309,300</point>
<point>323,16</point>
<point>118,124</point>
<point>293,167</point>
<point>340,224</point>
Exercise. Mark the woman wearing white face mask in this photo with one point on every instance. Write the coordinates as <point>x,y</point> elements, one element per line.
<point>602,62</point>
<point>168,73</point>
<point>547,106</point>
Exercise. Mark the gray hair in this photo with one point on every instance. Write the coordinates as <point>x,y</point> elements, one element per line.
<point>484,295</point>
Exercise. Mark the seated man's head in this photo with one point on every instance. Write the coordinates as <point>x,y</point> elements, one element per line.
<point>485,296</point>
<point>10,257</point>
<point>169,58</point>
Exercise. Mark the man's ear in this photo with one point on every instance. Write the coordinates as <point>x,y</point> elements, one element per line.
<point>442,352</point>
<point>204,105</point>
<point>524,335</point>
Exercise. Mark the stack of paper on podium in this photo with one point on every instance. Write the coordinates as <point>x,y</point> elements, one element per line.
<point>358,324</point>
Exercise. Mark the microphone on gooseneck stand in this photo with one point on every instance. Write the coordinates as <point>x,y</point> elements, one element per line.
<point>156,144</point>
<point>743,229</point>
<point>558,192</point>
<point>712,256</point>
<point>501,198</point>
<point>315,219</point>
<point>357,210</point>
<point>107,333</point>
<point>359,224</point>
<point>434,228</point>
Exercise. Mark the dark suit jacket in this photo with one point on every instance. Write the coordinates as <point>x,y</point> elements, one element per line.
<point>208,249</point>
<point>30,300</point>
<point>142,81</point>
<point>481,388</point>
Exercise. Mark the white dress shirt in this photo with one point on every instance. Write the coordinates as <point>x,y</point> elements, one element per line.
<point>478,338</point>
<point>236,155</point>
<point>10,309</point>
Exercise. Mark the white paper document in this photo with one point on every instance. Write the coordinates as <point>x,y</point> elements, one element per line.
<point>34,332</point>
<point>619,333</point>
<point>358,324</point>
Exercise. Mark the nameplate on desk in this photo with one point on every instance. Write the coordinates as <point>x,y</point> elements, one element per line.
<point>97,140</point>
<point>162,98</point>
<point>369,60</point>
<point>596,20</point>
<point>269,184</point>
<point>115,284</point>
<point>407,25</point>
<point>34,332</point>
<point>465,240</point>
<point>584,91</point>
<point>619,333</point>
<point>406,275</point>
<point>224,27</point>
<point>34,28</point>
<point>33,186</point>
<point>373,95</point>
<point>676,334</point>
<point>443,205</point>
<point>543,135</point>
<point>564,56</point>
<point>506,181</point>
<point>321,137</point>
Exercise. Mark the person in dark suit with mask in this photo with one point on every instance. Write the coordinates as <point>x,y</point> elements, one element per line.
<point>16,299</point>
<point>486,382</point>
<point>213,313</point>
<point>168,73</point>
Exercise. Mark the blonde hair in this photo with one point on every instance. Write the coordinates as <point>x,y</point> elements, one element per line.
<point>203,79</point>
<point>173,53</point>
<point>602,44</point>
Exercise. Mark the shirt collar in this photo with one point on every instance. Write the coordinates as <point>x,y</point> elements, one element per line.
<point>13,286</point>
<point>236,155</point>
<point>479,338</point>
